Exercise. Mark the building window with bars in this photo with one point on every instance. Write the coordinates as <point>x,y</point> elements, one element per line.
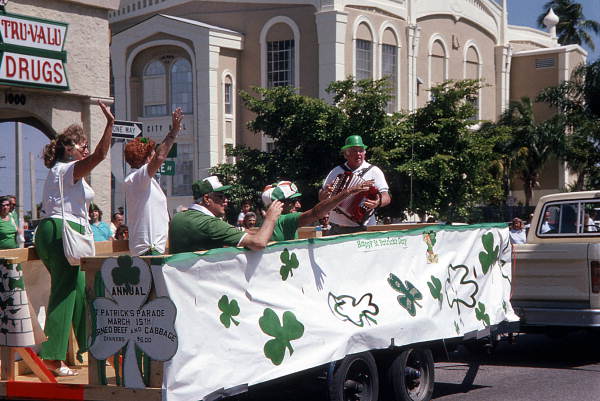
<point>364,59</point>
<point>280,63</point>
<point>228,95</point>
<point>181,85</point>
<point>389,70</point>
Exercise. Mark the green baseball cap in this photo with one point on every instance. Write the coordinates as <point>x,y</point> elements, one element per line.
<point>208,185</point>
<point>354,140</point>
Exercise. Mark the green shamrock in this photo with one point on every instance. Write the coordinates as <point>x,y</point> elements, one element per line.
<point>490,256</point>
<point>409,294</point>
<point>16,283</point>
<point>481,315</point>
<point>462,292</point>
<point>348,309</point>
<point>126,273</point>
<point>435,287</point>
<point>229,310</point>
<point>291,329</point>
<point>289,263</point>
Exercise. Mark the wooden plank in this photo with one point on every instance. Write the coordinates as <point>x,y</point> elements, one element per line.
<point>7,368</point>
<point>21,255</point>
<point>36,365</point>
<point>114,393</point>
<point>399,227</point>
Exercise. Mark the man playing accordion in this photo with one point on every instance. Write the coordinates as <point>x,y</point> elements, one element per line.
<point>357,212</point>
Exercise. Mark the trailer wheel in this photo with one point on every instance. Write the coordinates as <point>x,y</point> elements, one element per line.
<point>355,378</point>
<point>411,375</point>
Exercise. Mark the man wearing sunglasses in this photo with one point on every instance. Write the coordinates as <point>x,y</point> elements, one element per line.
<point>287,192</point>
<point>200,227</point>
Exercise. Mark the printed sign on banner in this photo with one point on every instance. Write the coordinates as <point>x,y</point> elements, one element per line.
<point>249,317</point>
<point>126,320</point>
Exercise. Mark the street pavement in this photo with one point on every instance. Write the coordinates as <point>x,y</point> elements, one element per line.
<point>534,368</point>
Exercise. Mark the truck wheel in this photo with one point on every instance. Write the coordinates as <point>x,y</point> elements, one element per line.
<point>354,379</point>
<point>411,375</point>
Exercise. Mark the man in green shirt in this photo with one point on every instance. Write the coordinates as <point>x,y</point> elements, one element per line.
<point>287,192</point>
<point>200,227</point>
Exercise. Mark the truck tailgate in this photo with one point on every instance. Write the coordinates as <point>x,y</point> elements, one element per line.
<point>551,273</point>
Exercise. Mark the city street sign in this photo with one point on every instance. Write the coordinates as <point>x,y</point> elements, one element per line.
<point>168,167</point>
<point>127,129</point>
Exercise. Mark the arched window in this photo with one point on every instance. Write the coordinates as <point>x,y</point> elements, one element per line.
<point>473,71</point>
<point>437,63</point>
<point>228,95</point>
<point>389,66</point>
<point>181,85</point>
<point>364,52</point>
<point>281,56</point>
<point>154,87</point>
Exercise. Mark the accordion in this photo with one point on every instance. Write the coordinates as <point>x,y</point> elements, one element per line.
<point>353,207</point>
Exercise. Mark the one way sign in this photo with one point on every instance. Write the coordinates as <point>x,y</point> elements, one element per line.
<point>126,129</point>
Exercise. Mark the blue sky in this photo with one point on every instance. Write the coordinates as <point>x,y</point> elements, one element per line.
<point>525,12</point>
<point>520,12</point>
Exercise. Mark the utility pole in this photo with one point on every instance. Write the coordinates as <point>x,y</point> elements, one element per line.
<point>19,172</point>
<point>32,182</point>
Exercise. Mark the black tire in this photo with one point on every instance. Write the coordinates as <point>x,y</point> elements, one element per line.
<point>411,375</point>
<point>355,378</point>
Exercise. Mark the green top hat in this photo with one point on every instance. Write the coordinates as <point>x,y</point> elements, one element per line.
<point>208,185</point>
<point>354,140</point>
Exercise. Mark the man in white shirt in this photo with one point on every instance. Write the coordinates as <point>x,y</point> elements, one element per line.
<point>354,151</point>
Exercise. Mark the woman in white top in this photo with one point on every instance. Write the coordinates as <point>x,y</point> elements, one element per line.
<point>147,213</point>
<point>68,156</point>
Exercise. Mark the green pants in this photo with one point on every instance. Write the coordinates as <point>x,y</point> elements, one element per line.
<point>67,302</point>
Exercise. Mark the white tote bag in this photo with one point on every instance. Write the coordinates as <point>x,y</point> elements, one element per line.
<point>76,245</point>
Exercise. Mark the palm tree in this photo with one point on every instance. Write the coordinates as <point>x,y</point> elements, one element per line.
<point>572,27</point>
<point>579,105</point>
<point>533,144</point>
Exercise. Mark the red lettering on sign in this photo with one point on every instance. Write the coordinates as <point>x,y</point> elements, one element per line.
<point>13,28</point>
<point>23,68</point>
<point>58,71</point>
<point>11,66</point>
<point>35,71</point>
<point>5,25</point>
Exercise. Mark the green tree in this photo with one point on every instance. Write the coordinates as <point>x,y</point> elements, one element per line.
<point>533,143</point>
<point>437,162</point>
<point>573,27</point>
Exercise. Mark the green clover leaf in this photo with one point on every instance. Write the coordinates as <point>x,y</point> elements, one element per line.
<point>458,289</point>
<point>126,273</point>
<point>435,287</point>
<point>481,315</point>
<point>490,256</point>
<point>229,310</point>
<point>289,263</point>
<point>348,309</point>
<point>291,329</point>
<point>409,294</point>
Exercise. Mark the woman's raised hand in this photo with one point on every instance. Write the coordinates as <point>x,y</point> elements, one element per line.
<point>107,113</point>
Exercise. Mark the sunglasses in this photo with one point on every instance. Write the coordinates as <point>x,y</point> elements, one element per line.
<point>82,147</point>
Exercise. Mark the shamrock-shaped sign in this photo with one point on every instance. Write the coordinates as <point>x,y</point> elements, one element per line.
<point>126,320</point>
<point>490,254</point>
<point>409,295</point>
<point>283,334</point>
<point>481,315</point>
<point>430,240</point>
<point>229,309</point>
<point>435,287</point>
<point>347,308</point>
<point>458,289</point>
<point>289,262</point>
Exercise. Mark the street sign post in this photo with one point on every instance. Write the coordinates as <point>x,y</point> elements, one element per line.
<point>127,129</point>
<point>168,167</point>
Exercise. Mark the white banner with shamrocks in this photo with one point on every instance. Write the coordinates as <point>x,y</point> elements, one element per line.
<point>247,317</point>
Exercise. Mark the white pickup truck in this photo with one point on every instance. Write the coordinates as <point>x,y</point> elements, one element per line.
<point>556,278</point>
